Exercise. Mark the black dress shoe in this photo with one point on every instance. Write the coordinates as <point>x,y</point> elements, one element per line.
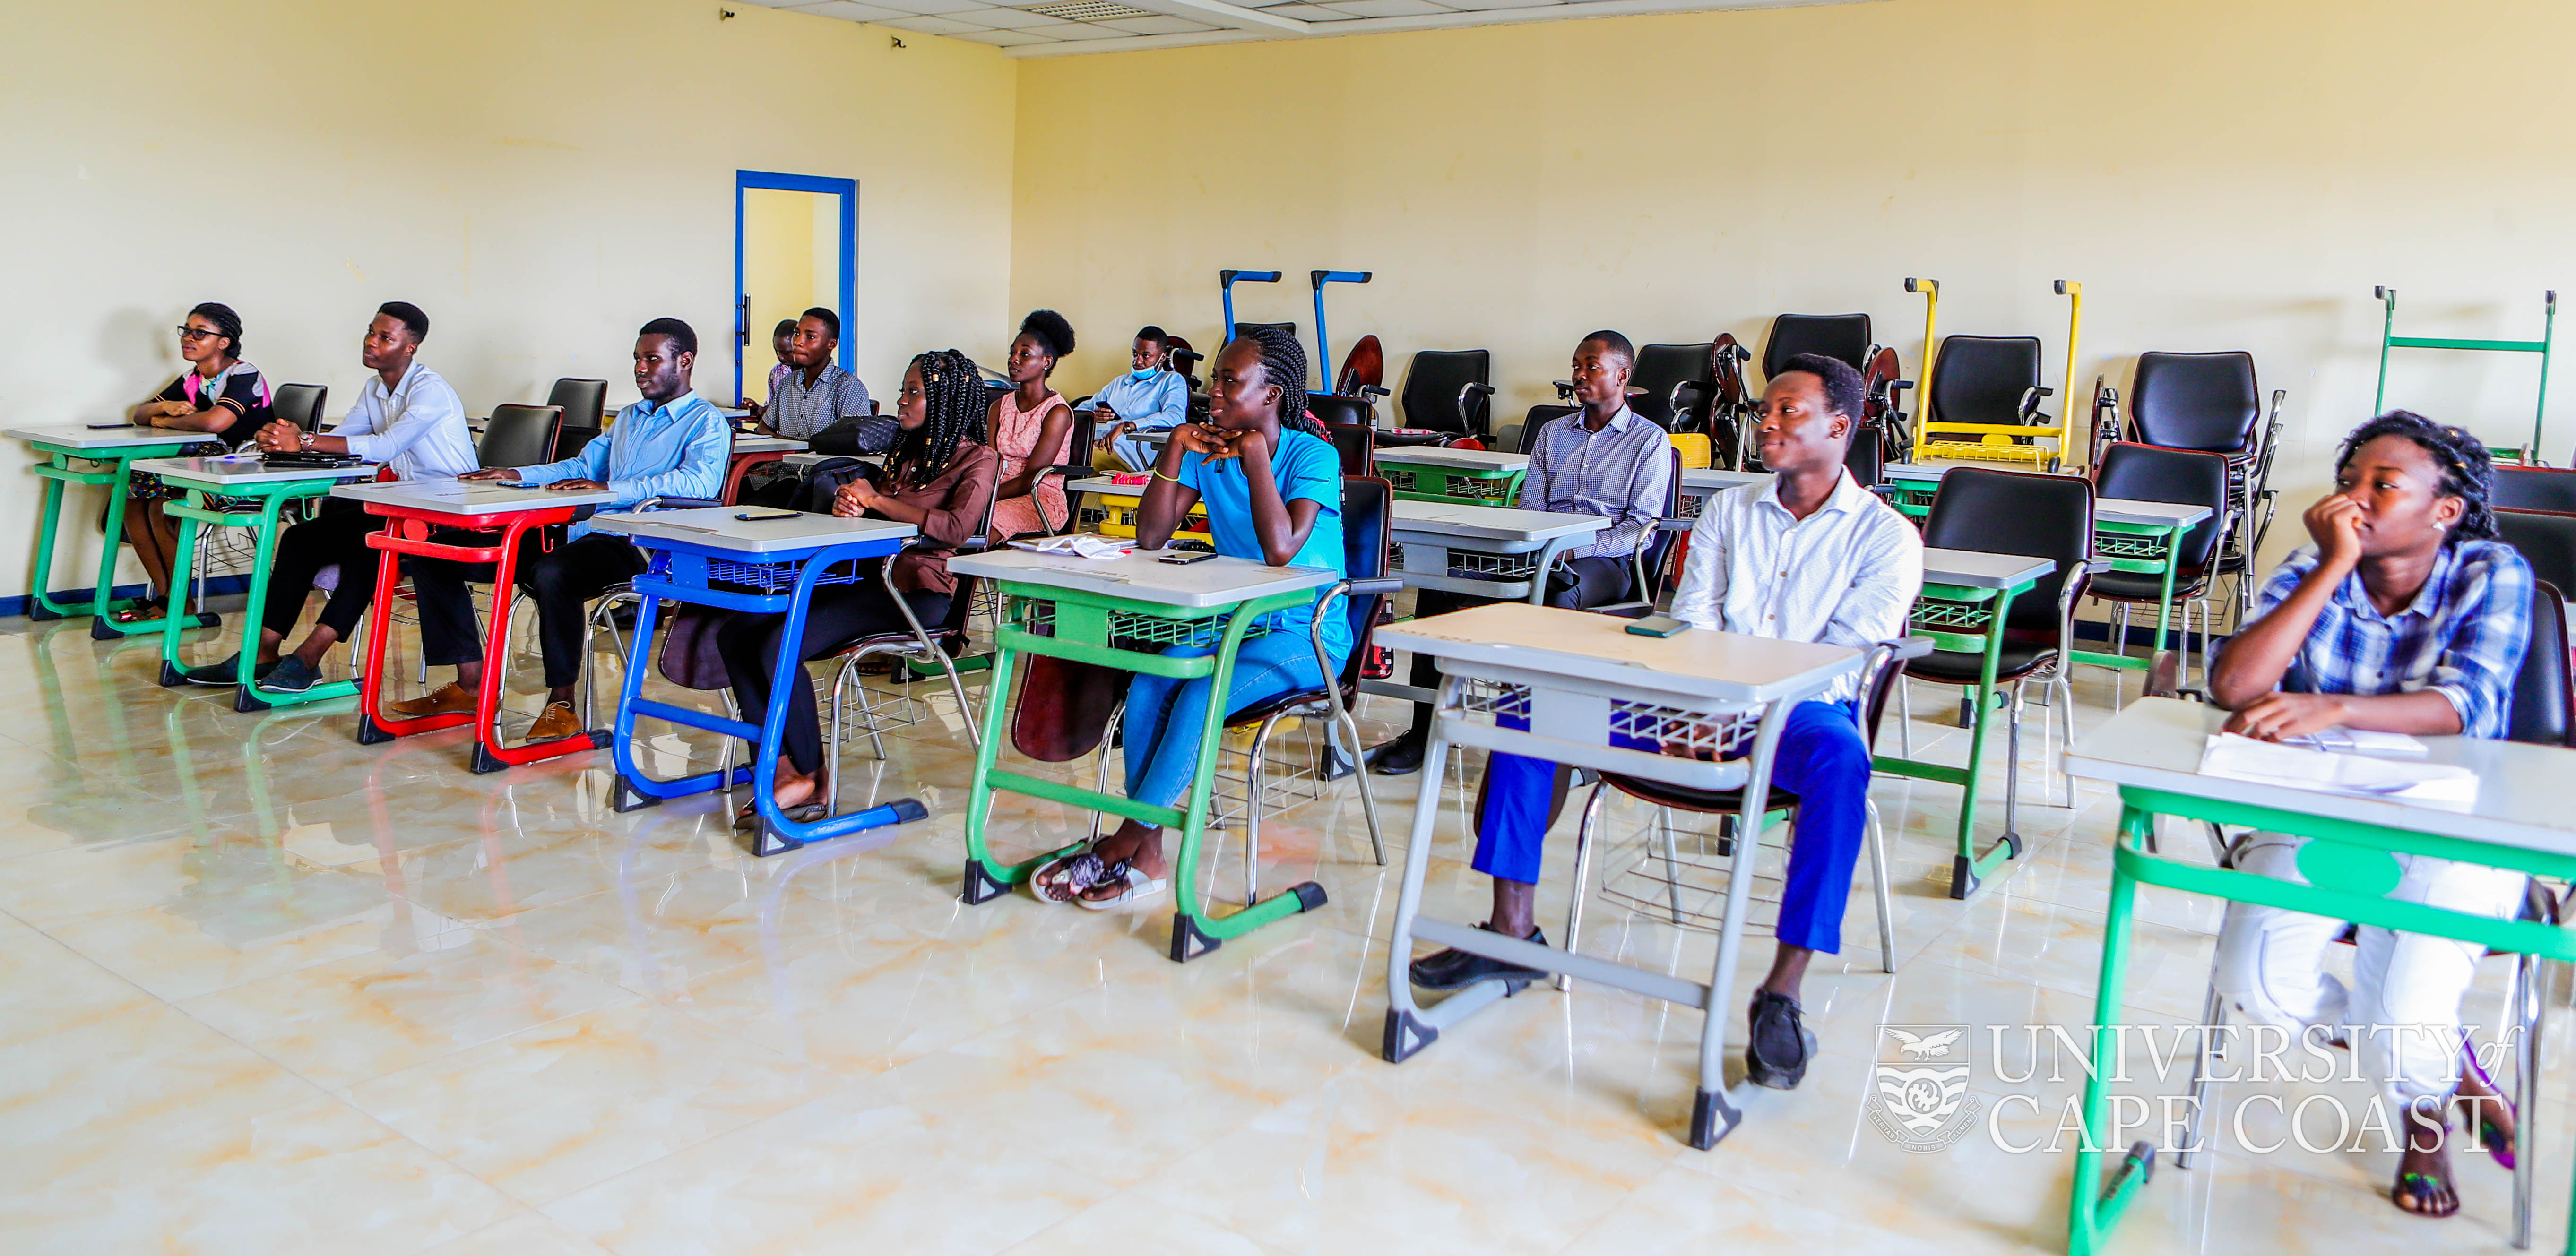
<point>1454,969</point>
<point>1781,1046</point>
<point>1400,757</point>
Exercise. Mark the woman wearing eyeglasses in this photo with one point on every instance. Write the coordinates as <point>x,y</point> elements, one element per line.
<point>219,395</point>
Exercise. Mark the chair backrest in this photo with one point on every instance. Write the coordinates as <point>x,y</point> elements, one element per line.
<point>2017,512</point>
<point>1982,379</point>
<point>1540,417</point>
<point>1363,367</point>
<point>1357,444</point>
<point>2540,690</point>
<point>1242,330</point>
<point>301,404</point>
<point>2152,473</point>
<point>1435,390</point>
<point>1185,360</point>
<point>1368,514</point>
<point>1662,367</point>
<point>1332,408</point>
<point>584,402</point>
<point>2203,401</point>
<point>1659,543</point>
<point>1866,459</point>
<point>2547,542</point>
<point>2516,488</point>
<point>519,436</point>
<point>1844,337</point>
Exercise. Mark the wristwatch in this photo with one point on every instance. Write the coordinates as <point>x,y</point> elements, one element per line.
<point>304,441</point>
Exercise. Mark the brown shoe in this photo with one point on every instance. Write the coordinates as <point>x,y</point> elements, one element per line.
<point>556,723</point>
<point>448,699</point>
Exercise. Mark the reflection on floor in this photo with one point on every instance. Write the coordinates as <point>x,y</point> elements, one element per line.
<point>265,990</point>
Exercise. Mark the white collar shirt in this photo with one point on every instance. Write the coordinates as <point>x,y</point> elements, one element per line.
<point>416,427</point>
<point>1845,575</point>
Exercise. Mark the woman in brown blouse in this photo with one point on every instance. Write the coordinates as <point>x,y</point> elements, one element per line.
<point>939,477</point>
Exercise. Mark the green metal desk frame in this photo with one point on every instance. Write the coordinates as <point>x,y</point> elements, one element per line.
<point>103,603</point>
<point>1964,620</point>
<point>2149,549</point>
<point>1128,635</point>
<point>2389,339</point>
<point>254,506</point>
<point>1423,482</point>
<point>2349,865</point>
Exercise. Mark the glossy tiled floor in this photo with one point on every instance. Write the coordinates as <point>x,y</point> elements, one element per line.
<point>264,990</point>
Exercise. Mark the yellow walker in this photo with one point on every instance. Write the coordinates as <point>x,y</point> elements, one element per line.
<point>1982,394</point>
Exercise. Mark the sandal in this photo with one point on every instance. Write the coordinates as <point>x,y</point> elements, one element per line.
<point>142,612</point>
<point>1071,874</point>
<point>1133,887</point>
<point>2481,1120</point>
<point>802,813</point>
<point>2433,1197</point>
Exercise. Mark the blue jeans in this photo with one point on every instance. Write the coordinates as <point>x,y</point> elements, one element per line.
<point>1165,716</point>
<point>1821,759</point>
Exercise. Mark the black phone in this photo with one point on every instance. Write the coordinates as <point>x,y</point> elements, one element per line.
<point>109,427</point>
<point>1659,626</point>
<point>748,517</point>
<point>1183,558</point>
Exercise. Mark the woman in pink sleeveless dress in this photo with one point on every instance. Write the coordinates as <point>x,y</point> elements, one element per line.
<point>1032,429</point>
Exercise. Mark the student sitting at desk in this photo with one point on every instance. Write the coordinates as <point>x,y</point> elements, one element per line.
<point>2404,616</point>
<point>1147,398</point>
<point>407,419</point>
<point>1272,488</point>
<point>1601,460</point>
<point>1032,430</point>
<point>818,394</point>
<point>219,395</point>
<point>673,443</point>
<point>939,477</point>
<point>1810,556</point>
<point>782,342</point>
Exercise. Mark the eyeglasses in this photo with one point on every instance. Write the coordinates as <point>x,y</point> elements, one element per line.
<point>197,333</point>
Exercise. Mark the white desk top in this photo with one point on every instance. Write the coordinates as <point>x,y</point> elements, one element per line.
<point>1491,523</point>
<point>470,499</point>
<point>1978,570</point>
<point>1715,666</point>
<point>1104,486</point>
<point>1935,468</point>
<point>219,473</point>
<point>1139,575</point>
<point>2157,514</point>
<point>121,436</point>
<point>1714,480</point>
<point>1461,459</point>
<point>767,445</point>
<point>2156,743</point>
<point>716,526</point>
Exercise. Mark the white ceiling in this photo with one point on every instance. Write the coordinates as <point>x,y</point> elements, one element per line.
<point>1045,28</point>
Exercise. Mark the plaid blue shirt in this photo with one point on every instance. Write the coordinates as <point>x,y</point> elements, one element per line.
<point>1622,473</point>
<point>2464,637</point>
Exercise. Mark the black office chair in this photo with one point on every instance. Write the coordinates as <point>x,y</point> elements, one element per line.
<point>1357,445</point>
<point>2208,402</point>
<point>301,404</point>
<point>1539,417</point>
<point>1676,386</point>
<point>519,436</point>
<point>1367,519</point>
<point>1242,330</point>
<point>2039,516</point>
<point>1843,337</point>
<point>1653,559</point>
<point>585,407</point>
<point>1446,397</point>
<point>1879,674</point>
<point>2547,541</point>
<point>1866,457</point>
<point>2152,473</point>
<point>1986,379</point>
<point>2516,488</point>
<point>2541,692</point>
<point>1332,408</point>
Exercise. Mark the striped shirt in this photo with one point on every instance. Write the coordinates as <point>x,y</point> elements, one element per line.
<point>797,410</point>
<point>2464,636</point>
<point>1622,473</point>
<point>1845,575</point>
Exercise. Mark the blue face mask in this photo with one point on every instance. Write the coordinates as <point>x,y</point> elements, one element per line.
<point>1146,374</point>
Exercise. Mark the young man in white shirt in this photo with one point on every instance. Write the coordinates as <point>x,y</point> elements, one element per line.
<point>1808,556</point>
<point>406,418</point>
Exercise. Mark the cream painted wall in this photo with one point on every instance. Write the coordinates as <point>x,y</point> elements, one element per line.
<point>541,176</point>
<point>2219,174</point>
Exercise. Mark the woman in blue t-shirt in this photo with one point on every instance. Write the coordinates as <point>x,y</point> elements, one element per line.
<point>1272,488</point>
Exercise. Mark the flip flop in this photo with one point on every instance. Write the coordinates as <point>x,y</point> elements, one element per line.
<point>1135,887</point>
<point>802,813</point>
<point>1076,872</point>
<point>2427,1191</point>
<point>2490,1136</point>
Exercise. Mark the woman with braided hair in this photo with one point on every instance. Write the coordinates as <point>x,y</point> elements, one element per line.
<point>2403,616</point>
<point>939,476</point>
<point>1272,487</point>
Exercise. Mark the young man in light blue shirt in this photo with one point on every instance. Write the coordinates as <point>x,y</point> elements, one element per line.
<point>670,444</point>
<point>1148,398</point>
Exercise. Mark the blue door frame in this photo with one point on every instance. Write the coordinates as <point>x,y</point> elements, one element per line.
<point>848,191</point>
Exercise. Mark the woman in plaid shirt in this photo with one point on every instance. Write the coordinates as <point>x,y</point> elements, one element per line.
<point>2404,616</point>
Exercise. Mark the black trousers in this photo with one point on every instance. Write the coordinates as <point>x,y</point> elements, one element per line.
<point>839,613</point>
<point>337,535</point>
<point>1577,584</point>
<point>561,581</point>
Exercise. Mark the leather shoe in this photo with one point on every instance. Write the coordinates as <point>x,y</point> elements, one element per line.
<point>557,722</point>
<point>1452,969</point>
<point>1781,1043</point>
<point>1400,757</point>
<point>448,699</point>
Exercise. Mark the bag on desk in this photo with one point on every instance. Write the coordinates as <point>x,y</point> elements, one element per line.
<point>1064,708</point>
<point>689,656</point>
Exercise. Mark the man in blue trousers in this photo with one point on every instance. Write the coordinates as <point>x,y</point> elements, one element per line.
<point>1809,556</point>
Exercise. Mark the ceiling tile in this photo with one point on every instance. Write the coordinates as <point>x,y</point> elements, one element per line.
<point>1157,26</point>
<point>1013,19</point>
<point>851,11</point>
<point>1085,30</point>
<point>1385,8</point>
<point>1005,39</point>
<point>1308,13</point>
<point>932,8</point>
<point>932,25</point>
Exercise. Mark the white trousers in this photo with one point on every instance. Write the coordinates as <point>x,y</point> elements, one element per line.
<point>2405,1008</point>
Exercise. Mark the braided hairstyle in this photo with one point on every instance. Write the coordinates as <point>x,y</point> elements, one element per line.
<point>2467,472</point>
<point>953,400</point>
<point>1283,362</point>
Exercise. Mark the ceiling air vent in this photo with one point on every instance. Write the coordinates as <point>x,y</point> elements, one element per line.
<point>1087,11</point>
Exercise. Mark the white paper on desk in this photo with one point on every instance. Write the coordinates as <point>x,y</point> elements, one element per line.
<point>1080,545</point>
<point>2361,741</point>
<point>2245,759</point>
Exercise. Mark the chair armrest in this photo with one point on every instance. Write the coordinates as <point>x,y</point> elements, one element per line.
<point>2096,566</point>
<point>2030,398</point>
<point>1904,648</point>
<point>1564,389</point>
<point>1677,523</point>
<point>1373,586</point>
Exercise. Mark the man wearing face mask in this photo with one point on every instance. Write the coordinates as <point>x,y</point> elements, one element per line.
<point>1147,398</point>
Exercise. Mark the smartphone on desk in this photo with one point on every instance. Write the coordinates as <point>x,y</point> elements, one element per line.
<point>1658,626</point>
<point>1183,558</point>
<point>748,517</point>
